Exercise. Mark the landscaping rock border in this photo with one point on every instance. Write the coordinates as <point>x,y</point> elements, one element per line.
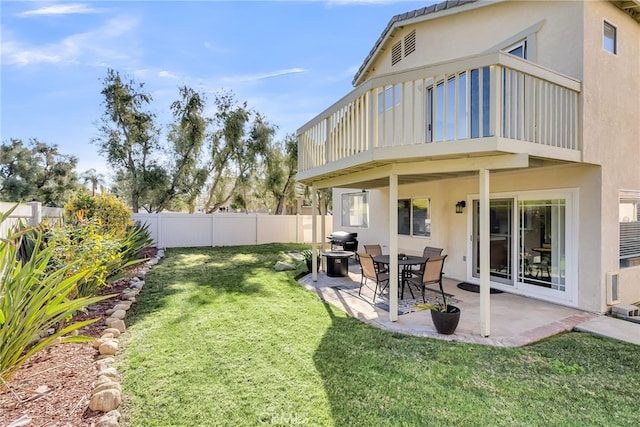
<point>106,394</point>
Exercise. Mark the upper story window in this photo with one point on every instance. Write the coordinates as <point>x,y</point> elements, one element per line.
<point>609,38</point>
<point>355,209</point>
<point>414,217</point>
<point>629,228</point>
<point>446,109</point>
<point>519,49</point>
<point>390,96</point>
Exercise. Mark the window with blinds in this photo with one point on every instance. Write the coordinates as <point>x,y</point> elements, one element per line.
<point>355,209</point>
<point>629,228</point>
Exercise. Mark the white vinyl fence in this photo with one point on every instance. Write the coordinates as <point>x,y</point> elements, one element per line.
<point>181,230</point>
<point>29,213</point>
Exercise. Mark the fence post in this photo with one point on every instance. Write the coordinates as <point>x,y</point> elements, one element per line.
<point>159,222</point>
<point>36,213</point>
<point>213,229</point>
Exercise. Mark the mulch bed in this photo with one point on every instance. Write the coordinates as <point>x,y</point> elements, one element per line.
<point>54,386</point>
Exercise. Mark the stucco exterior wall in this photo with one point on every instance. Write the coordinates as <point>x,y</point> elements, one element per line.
<point>557,44</point>
<point>451,231</point>
<point>611,127</point>
<point>377,232</point>
<point>565,37</point>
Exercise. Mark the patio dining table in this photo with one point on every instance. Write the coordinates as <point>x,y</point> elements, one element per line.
<point>405,262</point>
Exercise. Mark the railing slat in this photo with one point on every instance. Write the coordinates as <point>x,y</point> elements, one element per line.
<point>523,106</point>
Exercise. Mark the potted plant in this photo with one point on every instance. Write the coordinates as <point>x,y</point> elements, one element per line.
<point>445,316</point>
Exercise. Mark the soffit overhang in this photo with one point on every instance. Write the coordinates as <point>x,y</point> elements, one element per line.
<point>631,7</point>
<point>375,174</point>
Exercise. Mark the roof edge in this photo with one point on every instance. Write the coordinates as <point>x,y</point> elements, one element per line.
<point>418,15</point>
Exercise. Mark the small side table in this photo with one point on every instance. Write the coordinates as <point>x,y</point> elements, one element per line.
<point>337,263</point>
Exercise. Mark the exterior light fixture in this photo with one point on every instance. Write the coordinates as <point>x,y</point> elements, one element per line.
<point>460,206</point>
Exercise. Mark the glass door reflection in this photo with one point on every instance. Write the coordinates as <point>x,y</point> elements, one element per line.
<point>500,240</point>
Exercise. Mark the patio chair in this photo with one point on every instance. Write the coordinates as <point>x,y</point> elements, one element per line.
<point>369,272</point>
<point>427,252</point>
<point>375,250</point>
<point>431,274</point>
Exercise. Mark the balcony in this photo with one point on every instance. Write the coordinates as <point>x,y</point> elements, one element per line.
<point>483,105</point>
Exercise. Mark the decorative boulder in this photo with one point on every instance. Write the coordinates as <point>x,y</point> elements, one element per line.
<point>106,400</point>
<point>282,266</point>
<point>109,346</point>
<point>110,419</point>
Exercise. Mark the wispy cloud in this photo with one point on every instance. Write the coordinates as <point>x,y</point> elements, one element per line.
<point>255,77</point>
<point>213,47</point>
<point>93,47</point>
<point>167,75</point>
<point>60,9</point>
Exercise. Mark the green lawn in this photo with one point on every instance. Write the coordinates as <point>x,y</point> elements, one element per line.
<point>217,337</point>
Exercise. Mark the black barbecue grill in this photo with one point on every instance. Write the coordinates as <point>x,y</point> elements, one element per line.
<point>343,240</point>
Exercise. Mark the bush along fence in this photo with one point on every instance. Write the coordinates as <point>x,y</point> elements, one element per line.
<point>175,230</point>
<point>106,395</point>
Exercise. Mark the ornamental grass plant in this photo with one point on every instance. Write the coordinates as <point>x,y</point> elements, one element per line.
<point>34,300</point>
<point>51,272</point>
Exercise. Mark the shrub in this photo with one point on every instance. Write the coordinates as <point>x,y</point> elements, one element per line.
<point>81,205</point>
<point>111,213</point>
<point>34,299</point>
<point>85,245</point>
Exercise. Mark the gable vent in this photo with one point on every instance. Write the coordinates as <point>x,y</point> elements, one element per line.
<point>410,43</point>
<point>396,53</point>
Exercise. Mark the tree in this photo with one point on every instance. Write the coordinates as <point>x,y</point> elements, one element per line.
<point>187,136</point>
<point>36,171</point>
<point>281,169</point>
<point>234,155</point>
<point>92,176</point>
<point>128,135</point>
<point>211,160</point>
<point>324,197</point>
<point>248,157</point>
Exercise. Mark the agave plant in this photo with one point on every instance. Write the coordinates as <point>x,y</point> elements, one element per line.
<point>33,300</point>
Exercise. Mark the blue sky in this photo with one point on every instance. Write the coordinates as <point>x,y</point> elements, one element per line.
<point>288,60</point>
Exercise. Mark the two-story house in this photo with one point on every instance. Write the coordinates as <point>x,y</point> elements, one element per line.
<point>505,132</point>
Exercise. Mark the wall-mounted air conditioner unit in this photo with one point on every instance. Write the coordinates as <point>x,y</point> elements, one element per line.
<point>613,287</point>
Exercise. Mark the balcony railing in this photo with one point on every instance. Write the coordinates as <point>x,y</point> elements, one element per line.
<point>492,95</point>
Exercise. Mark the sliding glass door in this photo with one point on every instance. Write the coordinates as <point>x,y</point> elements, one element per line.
<point>528,244</point>
<point>543,243</point>
<point>500,240</point>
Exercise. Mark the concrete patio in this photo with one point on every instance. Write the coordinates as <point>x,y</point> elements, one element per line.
<point>515,320</point>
